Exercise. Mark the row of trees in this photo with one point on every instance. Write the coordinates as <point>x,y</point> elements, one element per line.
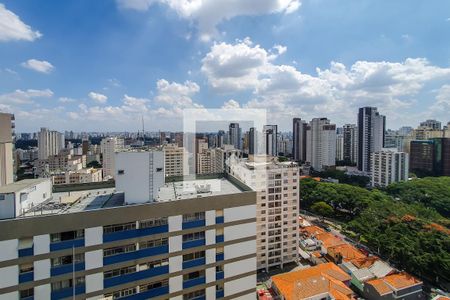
<point>407,223</point>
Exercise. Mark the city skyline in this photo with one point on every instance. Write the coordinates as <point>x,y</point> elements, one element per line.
<point>277,56</point>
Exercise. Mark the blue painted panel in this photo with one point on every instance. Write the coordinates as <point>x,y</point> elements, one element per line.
<point>66,244</point>
<point>195,243</point>
<point>220,294</point>
<point>194,263</point>
<point>26,252</point>
<point>193,282</point>
<point>68,292</point>
<point>219,257</point>
<point>219,239</point>
<point>55,271</point>
<point>135,276</point>
<point>193,224</point>
<point>128,234</point>
<point>219,220</point>
<point>149,294</point>
<point>219,275</point>
<point>25,277</point>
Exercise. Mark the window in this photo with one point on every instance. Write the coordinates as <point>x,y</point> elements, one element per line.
<point>119,272</point>
<point>25,268</point>
<point>153,222</point>
<point>119,250</point>
<point>159,169</point>
<point>26,293</point>
<point>194,275</point>
<point>154,264</point>
<point>153,243</point>
<point>120,172</point>
<point>67,260</point>
<point>66,283</point>
<point>193,295</point>
<point>194,216</point>
<point>219,268</point>
<point>153,285</point>
<point>119,227</point>
<point>194,236</point>
<point>192,256</point>
<point>219,287</point>
<point>122,293</point>
<point>2,197</point>
<point>66,236</point>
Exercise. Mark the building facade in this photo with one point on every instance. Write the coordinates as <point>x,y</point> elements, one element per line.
<point>6,149</point>
<point>235,135</point>
<point>299,139</point>
<point>321,144</point>
<point>173,160</point>
<point>350,151</point>
<point>109,146</point>
<point>271,139</point>
<point>389,166</point>
<point>49,143</point>
<point>371,131</point>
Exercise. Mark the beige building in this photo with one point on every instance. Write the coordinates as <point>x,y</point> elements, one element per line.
<point>60,163</point>
<point>212,161</point>
<point>277,188</point>
<point>6,149</point>
<point>80,176</point>
<point>173,160</point>
<point>109,146</point>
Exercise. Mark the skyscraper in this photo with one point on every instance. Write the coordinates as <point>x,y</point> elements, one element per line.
<point>109,146</point>
<point>6,148</point>
<point>371,131</point>
<point>271,139</point>
<point>340,147</point>
<point>350,151</point>
<point>234,134</point>
<point>49,143</point>
<point>299,139</point>
<point>252,140</point>
<point>389,166</point>
<point>321,144</point>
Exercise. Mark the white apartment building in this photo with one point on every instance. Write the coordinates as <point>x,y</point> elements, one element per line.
<point>108,147</point>
<point>340,147</point>
<point>6,149</point>
<point>321,143</point>
<point>49,143</point>
<point>18,197</point>
<point>277,189</point>
<point>174,160</point>
<point>388,166</point>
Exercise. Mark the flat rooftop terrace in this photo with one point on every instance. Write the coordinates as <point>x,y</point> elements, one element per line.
<point>180,190</point>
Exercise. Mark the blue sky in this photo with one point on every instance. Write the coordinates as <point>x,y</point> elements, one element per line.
<point>100,65</point>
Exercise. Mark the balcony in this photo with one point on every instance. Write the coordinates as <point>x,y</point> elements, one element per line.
<point>219,275</point>
<point>26,252</point>
<point>193,282</point>
<point>128,234</point>
<point>220,294</point>
<point>219,220</point>
<point>63,269</point>
<point>220,257</point>
<point>25,277</point>
<point>193,224</point>
<point>135,254</point>
<point>194,243</point>
<point>109,282</point>
<point>219,239</point>
<point>194,263</point>
<point>55,246</point>
<point>68,292</point>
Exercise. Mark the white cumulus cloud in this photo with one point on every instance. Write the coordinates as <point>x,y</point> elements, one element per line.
<point>41,66</point>
<point>13,29</point>
<point>97,97</point>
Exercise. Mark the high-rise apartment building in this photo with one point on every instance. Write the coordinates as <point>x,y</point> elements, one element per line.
<point>235,135</point>
<point>49,143</point>
<point>6,149</point>
<point>271,139</point>
<point>350,151</point>
<point>421,158</point>
<point>432,124</point>
<point>195,241</point>
<point>299,139</point>
<point>174,160</point>
<point>109,146</point>
<point>340,147</point>
<point>389,166</point>
<point>442,156</point>
<point>371,131</point>
<point>277,188</point>
<point>321,144</point>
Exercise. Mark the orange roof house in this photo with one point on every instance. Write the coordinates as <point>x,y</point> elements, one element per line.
<point>393,283</point>
<point>344,252</point>
<point>321,280</point>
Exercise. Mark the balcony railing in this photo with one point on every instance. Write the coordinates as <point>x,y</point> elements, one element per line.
<point>26,252</point>
<point>108,282</point>
<point>193,224</point>
<point>55,246</point>
<point>219,239</point>
<point>133,233</point>
<point>135,254</point>
<point>68,292</point>
<point>63,269</point>
<point>25,277</point>
<point>219,220</point>
<point>194,243</point>
<point>193,282</point>
<point>219,275</point>
<point>194,263</point>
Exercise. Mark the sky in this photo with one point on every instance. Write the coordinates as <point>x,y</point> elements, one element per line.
<point>103,65</point>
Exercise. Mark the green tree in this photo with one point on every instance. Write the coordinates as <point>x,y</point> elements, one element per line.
<point>94,164</point>
<point>322,208</point>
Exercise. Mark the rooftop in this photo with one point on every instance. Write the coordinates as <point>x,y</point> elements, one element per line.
<point>393,282</point>
<point>20,185</point>
<point>197,188</point>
